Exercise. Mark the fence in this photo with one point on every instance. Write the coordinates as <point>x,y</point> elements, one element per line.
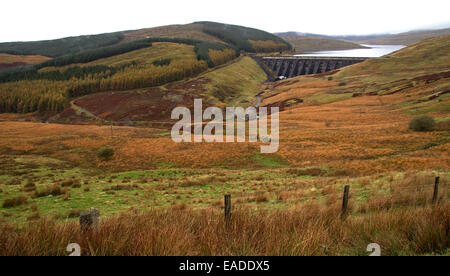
<point>89,220</point>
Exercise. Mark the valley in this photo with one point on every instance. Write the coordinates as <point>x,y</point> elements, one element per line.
<point>346,126</point>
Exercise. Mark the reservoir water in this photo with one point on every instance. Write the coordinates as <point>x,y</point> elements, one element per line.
<point>372,52</point>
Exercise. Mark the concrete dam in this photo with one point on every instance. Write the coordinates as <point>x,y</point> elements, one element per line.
<point>290,67</point>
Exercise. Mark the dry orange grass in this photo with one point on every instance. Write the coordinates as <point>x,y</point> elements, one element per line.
<point>9,59</point>
<point>358,134</point>
<point>299,88</point>
<point>362,135</point>
<point>193,31</point>
<point>310,230</point>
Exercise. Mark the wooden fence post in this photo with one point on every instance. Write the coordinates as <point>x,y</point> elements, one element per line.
<point>89,220</point>
<point>227,207</point>
<point>436,190</point>
<point>345,200</point>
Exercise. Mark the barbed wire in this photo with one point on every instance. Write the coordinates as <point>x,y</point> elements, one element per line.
<point>369,190</point>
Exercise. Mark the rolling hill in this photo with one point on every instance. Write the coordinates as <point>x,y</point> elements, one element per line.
<point>339,130</point>
<point>9,61</point>
<point>303,44</point>
<point>248,39</point>
<point>121,61</point>
<point>61,47</point>
<point>143,61</point>
<point>406,38</point>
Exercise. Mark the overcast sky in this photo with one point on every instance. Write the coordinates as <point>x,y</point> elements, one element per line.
<point>24,20</point>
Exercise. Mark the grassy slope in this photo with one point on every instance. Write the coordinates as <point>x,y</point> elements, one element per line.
<point>239,36</point>
<point>236,84</point>
<point>363,142</point>
<point>314,44</point>
<point>159,50</point>
<point>8,59</point>
<point>60,47</point>
<point>193,31</point>
<point>407,38</point>
<point>390,74</point>
<point>398,73</point>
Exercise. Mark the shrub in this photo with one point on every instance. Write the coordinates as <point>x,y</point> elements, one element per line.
<point>342,84</point>
<point>105,153</point>
<point>54,190</point>
<point>422,123</point>
<point>15,201</point>
<point>29,187</point>
<point>162,62</point>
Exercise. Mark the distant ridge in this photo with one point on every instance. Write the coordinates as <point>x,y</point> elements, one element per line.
<point>243,38</point>
<point>406,38</point>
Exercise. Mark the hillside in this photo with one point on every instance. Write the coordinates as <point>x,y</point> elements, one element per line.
<point>192,31</point>
<point>347,128</point>
<point>407,38</point>
<point>233,83</point>
<point>248,39</point>
<point>124,61</point>
<point>303,44</point>
<point>243,38</point>
<point>60,47</point>
<point>8,61</point>
<point>426,75</point>
<point>50,85</point>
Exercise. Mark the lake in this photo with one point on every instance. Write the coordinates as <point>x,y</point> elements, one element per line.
<point>373,52</point>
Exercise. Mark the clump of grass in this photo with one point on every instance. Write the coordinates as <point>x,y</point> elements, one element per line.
<point>54,190</point>
<point>262,198</point>
<point>74,183</point>
<point>29,187</point>
<point>34,216</point>
<point>307,172</point>
<point>66,196</point>
<point>15,201</point>
<point>105,153</point>
<point>121,187</point>
<point>422,124</point>
<point>199,182</point>
<point>179,206</point>
<point>14,182</point>
<point>74,213</point>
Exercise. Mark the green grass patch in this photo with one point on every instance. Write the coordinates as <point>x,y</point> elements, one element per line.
<point>271,161</point>
<point>324,98</point>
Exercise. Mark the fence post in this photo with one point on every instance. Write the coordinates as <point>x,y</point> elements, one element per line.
<point>436,190</point>
<point>345,201</point>
<point>89,220</point>
<point>227,207</point>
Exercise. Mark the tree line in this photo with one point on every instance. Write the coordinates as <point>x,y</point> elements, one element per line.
<point>240,37</point>
<point>31,96</point>
<point>31,72</point>
<point>60,47</point>
<point>42,88</point>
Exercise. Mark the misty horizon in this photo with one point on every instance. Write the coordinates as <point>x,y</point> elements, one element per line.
<point>48,19</point>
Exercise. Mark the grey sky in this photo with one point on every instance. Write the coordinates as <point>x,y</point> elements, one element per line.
<point>23,20</point>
